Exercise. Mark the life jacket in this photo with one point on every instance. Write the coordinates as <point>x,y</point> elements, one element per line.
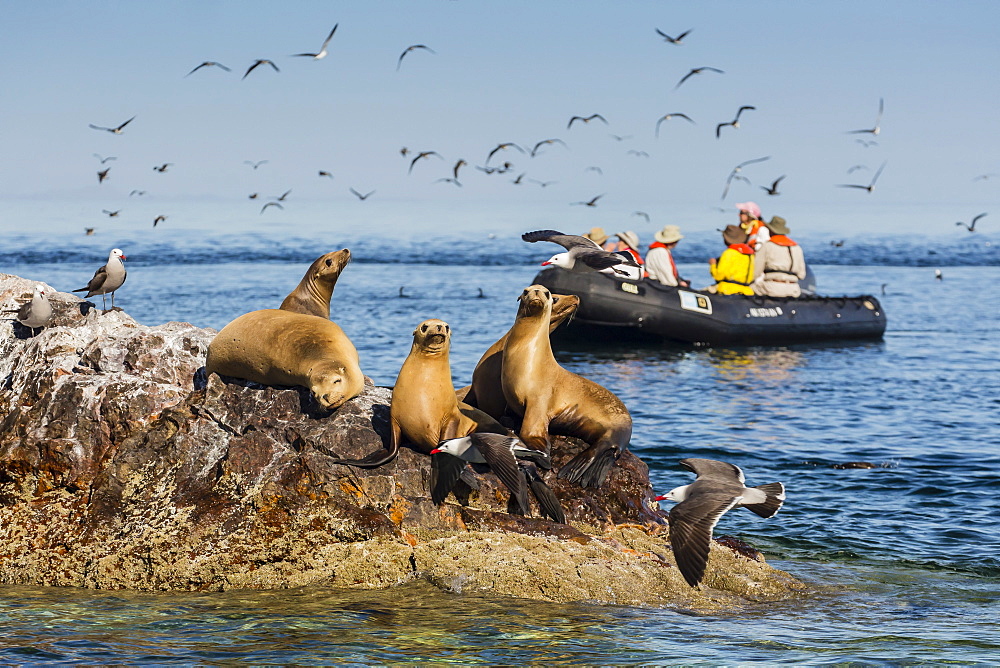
<point>752,229</point>
<point>782,240</point>
<point>744,285</point>
<point>673,265</point>
<point>785,242</point>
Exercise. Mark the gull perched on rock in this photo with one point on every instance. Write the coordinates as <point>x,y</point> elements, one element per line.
<point>719,487</point>
<point>37,312</point>
<point>108,278</point>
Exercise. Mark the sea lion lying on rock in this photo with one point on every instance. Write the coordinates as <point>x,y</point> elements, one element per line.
<point>313,293</point>
<point>486,392</point>
<point>276,347</point>
<point>425,409</point>
<point>550,398</point>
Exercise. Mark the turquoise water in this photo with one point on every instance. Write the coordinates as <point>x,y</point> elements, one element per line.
<point>902,560</point>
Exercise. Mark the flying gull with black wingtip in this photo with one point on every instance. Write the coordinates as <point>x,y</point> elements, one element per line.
<point>360,196</point>
<point>667,117</point>
<point>420,156</point>
<point>580,251</point>
<point>773,190</point>
<point>735,173</point>
<point>697,70</point>
<point>586,119</point>
<point>546,142</point>
<point>718,488</point>
<point>972,227</point>
<point>208,63</point>
<point>735,122</point>
<point>672,40</point>
<point>878,119</point>
<point>503,147</point>
<point>871,186</point>
<point>322,51</point>
<point>115,131</point>
<point>258,63</point>
<point>412,48</point>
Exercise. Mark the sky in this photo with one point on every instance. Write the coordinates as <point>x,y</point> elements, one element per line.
<point>513,71</point>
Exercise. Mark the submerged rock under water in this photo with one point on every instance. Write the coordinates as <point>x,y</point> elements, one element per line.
<point>123,467</point>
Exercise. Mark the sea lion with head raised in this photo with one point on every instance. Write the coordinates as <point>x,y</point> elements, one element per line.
<point>424,409</point>
<point>276,347</point>
<point>312,295</point>
<point>552,399</point>
<point>486,392</point>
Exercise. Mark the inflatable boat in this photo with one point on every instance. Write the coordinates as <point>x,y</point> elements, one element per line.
<point>613,309</point>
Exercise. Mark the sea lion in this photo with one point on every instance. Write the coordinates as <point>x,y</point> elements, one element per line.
<point>312,295</point>
<point>550,398</point>
<point>278,347</point>
<point>486,393</point>
<point>424,409</point>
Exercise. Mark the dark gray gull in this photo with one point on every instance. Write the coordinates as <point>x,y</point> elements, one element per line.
<point>504,455</point>
<point>108,278</point>
<point>37,312</point>
<point>719,486</point>
<point>580,251</point>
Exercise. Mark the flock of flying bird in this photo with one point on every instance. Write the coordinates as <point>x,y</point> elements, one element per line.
<point>736,174</point>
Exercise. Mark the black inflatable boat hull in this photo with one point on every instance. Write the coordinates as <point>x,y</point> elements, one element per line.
<point>616,309</point>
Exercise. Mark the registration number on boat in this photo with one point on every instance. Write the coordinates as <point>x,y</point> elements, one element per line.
<point>766,312</point>
<point>695,302</point>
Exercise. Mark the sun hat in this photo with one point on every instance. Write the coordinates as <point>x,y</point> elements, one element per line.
<point>750,207</point>
<point>734,234</point>
<point>597,235</point>
<point>669,234</point>
<point>630,238</point>
<point>778,225</point>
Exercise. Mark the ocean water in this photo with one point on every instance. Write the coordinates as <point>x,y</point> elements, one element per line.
<point>902,560</point>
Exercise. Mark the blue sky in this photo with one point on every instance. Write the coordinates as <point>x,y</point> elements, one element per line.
<point>504,72</point>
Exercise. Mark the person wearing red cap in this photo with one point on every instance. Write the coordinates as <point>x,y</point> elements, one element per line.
<point>750,221</point>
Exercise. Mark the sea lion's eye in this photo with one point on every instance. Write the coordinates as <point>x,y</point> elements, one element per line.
<point>447,328</point>
<point>423,328</point>
<point>329,261</point>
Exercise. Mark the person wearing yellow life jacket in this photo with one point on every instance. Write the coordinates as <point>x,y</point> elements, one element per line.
<point>780,264</point>
<point>628,242</point>
<point>734,270</point>
<point>750,221</point>
<point>660,265</point>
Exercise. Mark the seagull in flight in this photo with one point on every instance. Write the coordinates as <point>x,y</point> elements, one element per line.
<point>503,147</point>
<point>580,250</point>
<point>870,186</point>
<point>103,174</point>
<point>104,160</point>
<point>255,165</point>
<point>283,196</point>
<point>113,214</point>
<point>866,144</point>
<point>140,193</point>
<point>323,172</point>
<point>735,173</point>
<point>117,130</point>
<point>641,213</point>
<point>158,219</point>
<point>411,48</point>
<point>672,40</point>
<point>258,63</point>
<point>773,190</point>
<point>735,122</point>
<point>208,63</point>
<point>322,51</point>
<point>544,142</point>
<point>667,117</point>
<point>855,168</point>
<point>697,70</point>
<point>718,488</point>
<point>586,119</point>
<point>360,196</point>
<point>264,208</point>
<point>972,227</point>
<point>162,168</point>
<point>591,202</point>
<point>422,154</point>
<point>878,119</point>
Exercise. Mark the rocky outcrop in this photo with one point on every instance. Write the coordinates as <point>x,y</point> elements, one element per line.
<point>123,466</point>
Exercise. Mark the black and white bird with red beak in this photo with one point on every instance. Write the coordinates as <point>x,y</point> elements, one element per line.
<point>719,486</point>
<point>107,279</point>
<point>582,254</point>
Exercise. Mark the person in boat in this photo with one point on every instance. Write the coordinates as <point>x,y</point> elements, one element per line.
<point>752,224</point>
<point>600,237</point>
<point>780,264</point>
<point>734,270</point>
<point>660,265</point>
<point>628,242</point>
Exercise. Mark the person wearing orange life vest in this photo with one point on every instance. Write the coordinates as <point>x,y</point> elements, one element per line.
<point>628,242</point>
<point>660,265</point>
<point>750,221</point>
<point>734,270</point>
<point>780,264</point>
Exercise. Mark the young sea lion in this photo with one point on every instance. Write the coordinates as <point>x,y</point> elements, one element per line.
<point>551,398</point>
<point>312,295</point>
<point>486,392</point>
<point>278,347</point>
<point>424,409</point>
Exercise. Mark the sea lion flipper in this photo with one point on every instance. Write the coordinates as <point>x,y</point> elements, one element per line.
<point>379,457</point>
<point>590,468</point>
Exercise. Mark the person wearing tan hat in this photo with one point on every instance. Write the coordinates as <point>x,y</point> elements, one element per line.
<point>734,270</point>
<point>600,237</point>
<point>628,242</point>
<point>780,263</point>
<point>660,264</point>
